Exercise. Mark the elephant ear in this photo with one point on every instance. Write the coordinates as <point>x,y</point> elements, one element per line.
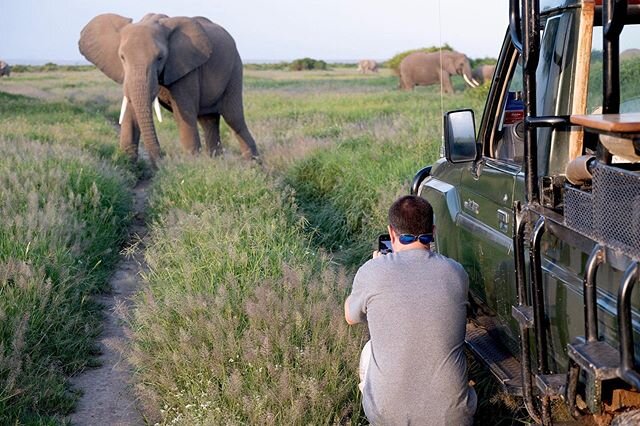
<point>189,47</point>
<point>99,43</point>
<point>450,62</point>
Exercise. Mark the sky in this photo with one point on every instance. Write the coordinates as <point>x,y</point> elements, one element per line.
<point>38,31</point>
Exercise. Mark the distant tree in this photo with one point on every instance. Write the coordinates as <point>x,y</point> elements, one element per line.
<point>482,61</point>
<point>50,66</point>
<point>307,64</point>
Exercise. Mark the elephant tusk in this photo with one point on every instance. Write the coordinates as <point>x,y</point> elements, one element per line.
<point>156,107</point>
<point>468,81</point>
<point>123,109</point>
<point>475,82</point>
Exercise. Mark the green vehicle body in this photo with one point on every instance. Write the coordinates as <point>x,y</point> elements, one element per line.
<point>473,204</point>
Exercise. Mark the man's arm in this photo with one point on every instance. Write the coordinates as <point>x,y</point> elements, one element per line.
<point>355,307</point>
<point>346,313</point>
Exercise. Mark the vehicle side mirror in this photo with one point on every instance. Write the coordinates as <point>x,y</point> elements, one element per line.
<point>460,136</point>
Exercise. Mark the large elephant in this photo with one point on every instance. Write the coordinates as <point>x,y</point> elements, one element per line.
<point>5,69</point>
<point>367,65</point>
<point>190,64</point>
<point>483,73</point>
<point>423,69</point>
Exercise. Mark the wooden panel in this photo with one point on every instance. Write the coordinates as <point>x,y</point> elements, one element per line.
<point>615,123</point>
<point>583,61</point>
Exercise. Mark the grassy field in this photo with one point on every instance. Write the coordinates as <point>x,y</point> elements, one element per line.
<point>239,320</point>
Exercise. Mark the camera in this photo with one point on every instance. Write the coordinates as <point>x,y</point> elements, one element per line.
<point>384,244</point>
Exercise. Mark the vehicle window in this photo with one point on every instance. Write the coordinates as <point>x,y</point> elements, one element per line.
<point>629,71</point>
<point>551,82</point>
<point>555,85</point>
<point>548,71</point>
<point>510,135</point>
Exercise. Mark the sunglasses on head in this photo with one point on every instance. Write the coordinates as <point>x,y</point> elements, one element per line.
<point>409,238</point>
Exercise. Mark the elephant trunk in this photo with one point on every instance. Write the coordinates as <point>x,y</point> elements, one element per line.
<point>141,97</point>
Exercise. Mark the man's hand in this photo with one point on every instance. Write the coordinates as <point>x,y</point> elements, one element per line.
<point>375,254</point>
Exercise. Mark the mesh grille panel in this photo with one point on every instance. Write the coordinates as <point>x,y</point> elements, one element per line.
<point>578,212</point>
<point>616,194</point>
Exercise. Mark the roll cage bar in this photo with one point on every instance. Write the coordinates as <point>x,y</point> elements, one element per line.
<point>531,224</point>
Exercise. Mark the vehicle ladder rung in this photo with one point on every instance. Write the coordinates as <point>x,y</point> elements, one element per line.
<point>597,358</point>
<point>505,368</point>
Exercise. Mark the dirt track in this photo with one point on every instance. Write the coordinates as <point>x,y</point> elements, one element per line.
<point>108,397</point>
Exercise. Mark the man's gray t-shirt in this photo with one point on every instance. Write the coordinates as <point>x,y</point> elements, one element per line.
<point>414,302</point>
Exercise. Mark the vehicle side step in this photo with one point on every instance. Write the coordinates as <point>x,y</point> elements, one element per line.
<point>502,364</point>
<point>599,359</point>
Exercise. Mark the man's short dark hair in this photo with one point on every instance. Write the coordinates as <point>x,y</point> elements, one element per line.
<point>411,215</point>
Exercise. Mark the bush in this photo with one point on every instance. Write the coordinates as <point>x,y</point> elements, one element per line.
<point>629,77</point>
<point>394,63</point>
<point>267,67</point>
<point>50,67</point>
<point>307,64</point>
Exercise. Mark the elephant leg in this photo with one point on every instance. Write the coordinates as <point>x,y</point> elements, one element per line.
<point>233,114</point>
<point>404,83</point>
<point>188,127</point>
<point>129,135</point>
<point>184,98</point>
<point>446,84</point>
<point>211,126</point>
<point>247,143</point>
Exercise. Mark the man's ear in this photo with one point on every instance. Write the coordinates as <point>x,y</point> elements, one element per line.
<point>392,233</point>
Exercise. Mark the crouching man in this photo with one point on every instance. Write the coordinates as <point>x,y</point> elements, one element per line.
<point>413,370</point>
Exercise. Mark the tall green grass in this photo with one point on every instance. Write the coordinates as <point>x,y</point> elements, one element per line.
<point>58,122</point>
<point>63,214</point>
<point>241,322</point>
<point>242,319</point>
<point>64,205</point>
<point>346,188</point>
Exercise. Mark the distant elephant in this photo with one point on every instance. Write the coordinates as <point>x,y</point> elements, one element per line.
<point>190,64</point>
<point>367,65</point>
<point>5,69</point>
<point>483,73</point>
<point>423,69</point>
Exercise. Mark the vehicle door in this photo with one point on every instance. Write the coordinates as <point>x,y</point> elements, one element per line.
<point>486,192</point>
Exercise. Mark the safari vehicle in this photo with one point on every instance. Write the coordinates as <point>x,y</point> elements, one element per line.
<point>542,207</point>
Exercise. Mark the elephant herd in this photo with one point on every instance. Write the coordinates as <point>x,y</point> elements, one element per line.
<point>192,67</point>
<point>423,69</point>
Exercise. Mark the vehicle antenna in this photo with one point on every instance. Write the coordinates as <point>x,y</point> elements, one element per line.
<point>441,83</point>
